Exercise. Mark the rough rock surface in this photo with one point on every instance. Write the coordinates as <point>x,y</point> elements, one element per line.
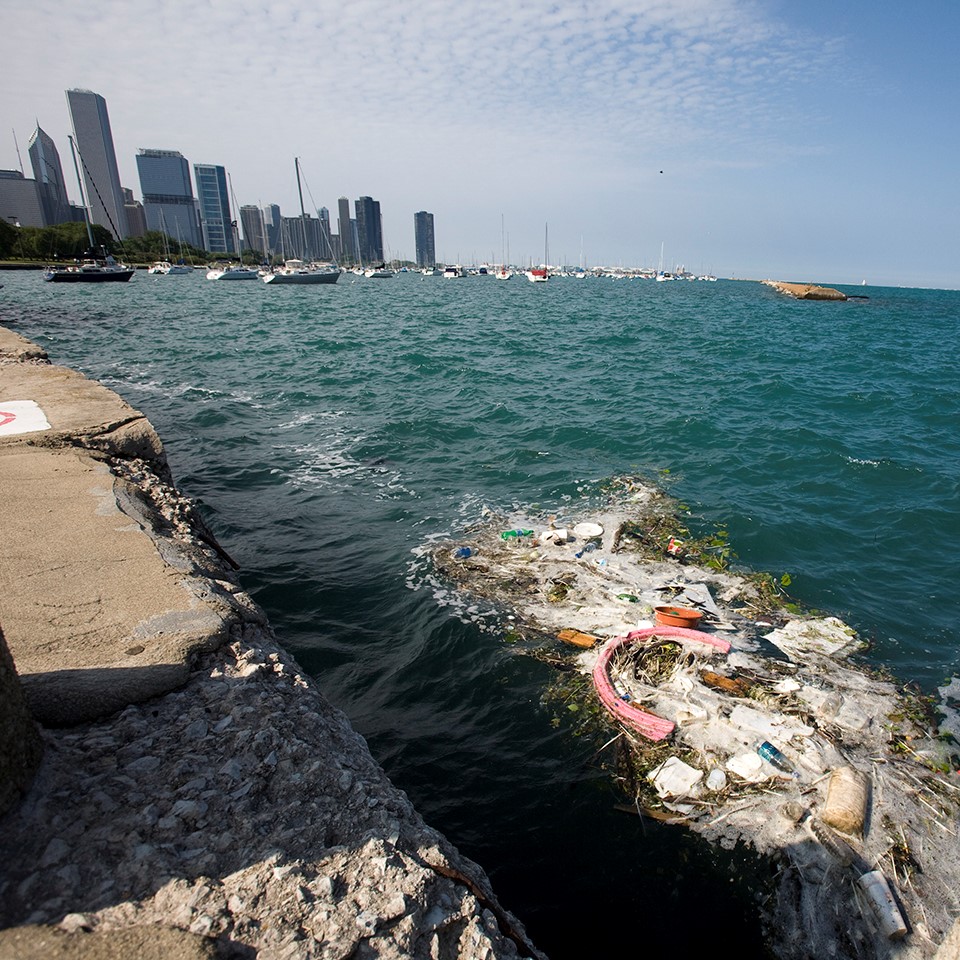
<point>806,291</point>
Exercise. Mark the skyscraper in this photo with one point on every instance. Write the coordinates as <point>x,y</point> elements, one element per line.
<point>348,249</point>
<point>136,218</point>
<point>101,178</point>
<point>423,231</point>
<point>19,200</point>
<point>252,220</point>
<point>369,230</point>
<point>168,201</point>
<point>326,238</point>
<point>48,173</point>
<point>215,218</point>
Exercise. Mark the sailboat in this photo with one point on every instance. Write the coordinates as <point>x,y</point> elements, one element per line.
<point>503,271</point>
<point>165,267</point>
<point>296,271</point>
<point>234,271</point>
<point>92,269</point>
<point>540,274</point>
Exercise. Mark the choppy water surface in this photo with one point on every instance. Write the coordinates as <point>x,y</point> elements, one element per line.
<point>328,432</point>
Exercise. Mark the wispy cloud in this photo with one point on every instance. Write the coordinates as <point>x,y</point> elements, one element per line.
<point>470,109</point>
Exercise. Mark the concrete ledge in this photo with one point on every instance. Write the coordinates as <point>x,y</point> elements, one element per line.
<point>194,780</point>
<point>100,602</point>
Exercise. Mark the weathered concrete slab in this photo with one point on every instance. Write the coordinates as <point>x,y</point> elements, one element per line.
<point>98,610</point>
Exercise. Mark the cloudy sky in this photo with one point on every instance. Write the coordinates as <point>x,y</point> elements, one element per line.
<point>751,138</point>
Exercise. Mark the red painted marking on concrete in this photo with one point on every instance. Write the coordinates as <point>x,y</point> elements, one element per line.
<point>6,418</point>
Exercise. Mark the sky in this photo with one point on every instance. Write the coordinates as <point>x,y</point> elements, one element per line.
<point>813,141</point>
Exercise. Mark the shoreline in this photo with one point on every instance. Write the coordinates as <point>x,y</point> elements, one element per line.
<point>232,802</point>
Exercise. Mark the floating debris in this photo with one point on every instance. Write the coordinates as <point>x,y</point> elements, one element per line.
<point>692,708</point>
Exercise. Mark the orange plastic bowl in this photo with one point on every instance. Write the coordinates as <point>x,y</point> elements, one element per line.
<point>678,617</point>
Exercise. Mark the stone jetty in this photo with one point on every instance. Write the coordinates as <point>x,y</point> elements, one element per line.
<point>806,291</point>
<point>174,784</point>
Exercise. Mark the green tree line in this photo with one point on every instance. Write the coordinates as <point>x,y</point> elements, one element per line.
<point>68,241</point>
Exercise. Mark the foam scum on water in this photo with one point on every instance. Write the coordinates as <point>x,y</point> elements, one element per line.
<point>784,742</point>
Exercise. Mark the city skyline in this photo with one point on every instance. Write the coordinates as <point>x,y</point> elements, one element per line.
<point>745,137</point>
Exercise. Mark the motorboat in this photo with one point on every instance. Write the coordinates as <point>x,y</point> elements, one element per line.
<point>454,272</point>
<point>295,271</point>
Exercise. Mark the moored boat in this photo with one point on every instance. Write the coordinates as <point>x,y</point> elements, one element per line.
<point>233,271</point>
<point>93,268</point>
<point>296,272</point>
<point>90,270</point>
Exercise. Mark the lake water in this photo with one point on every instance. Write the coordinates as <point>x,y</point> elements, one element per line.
<point>329,432</point>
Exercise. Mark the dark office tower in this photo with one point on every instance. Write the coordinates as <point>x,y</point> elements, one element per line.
<point>348,247</point>
<point>101,178</point>
<point>369,230</point>
<point>426,246</point>
<point>252,221</point>
<point>168,201</point>
<point>48,173</point>
<point>215,219</point>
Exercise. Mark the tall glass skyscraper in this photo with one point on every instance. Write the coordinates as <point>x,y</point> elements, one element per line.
<point>168,202</point>
<point>101,178</point>
<point>426,246</point>
<point>48,173</point>
<point>345,224</point>
<point>369,230</point>
<point>215,219</point>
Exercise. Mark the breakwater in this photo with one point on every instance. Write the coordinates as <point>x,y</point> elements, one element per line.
<point>193,776</point>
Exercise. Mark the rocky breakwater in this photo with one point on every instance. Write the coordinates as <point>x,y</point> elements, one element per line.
<point>806,291</point>
<point>197,795</point>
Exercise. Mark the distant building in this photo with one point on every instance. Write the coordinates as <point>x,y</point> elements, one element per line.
<point>271,219</point>
<point>168,201</point>
<point>254,234</point>
<point>101,178</point>
<point>300,237</point>
<point>48,172</point>
<point>136,218</point>
<point>369,230</point>
<point>326,251</point>
<point>215,220</point>
<point>426,245</point>
<point>348,247</point>
<point>20,200</point>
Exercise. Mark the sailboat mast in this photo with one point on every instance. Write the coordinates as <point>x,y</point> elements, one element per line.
<point>303,212</point>
<point>83,198</point>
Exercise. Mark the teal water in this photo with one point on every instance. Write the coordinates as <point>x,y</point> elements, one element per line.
<point>328,432</point>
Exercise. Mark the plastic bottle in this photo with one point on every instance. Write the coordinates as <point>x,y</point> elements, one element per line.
<point>461,553</point>
<point>874,885</point>
<point>773,756</point>
<point>513,534</point>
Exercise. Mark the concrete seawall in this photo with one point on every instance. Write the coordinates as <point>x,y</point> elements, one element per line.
<point>197,795</point>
